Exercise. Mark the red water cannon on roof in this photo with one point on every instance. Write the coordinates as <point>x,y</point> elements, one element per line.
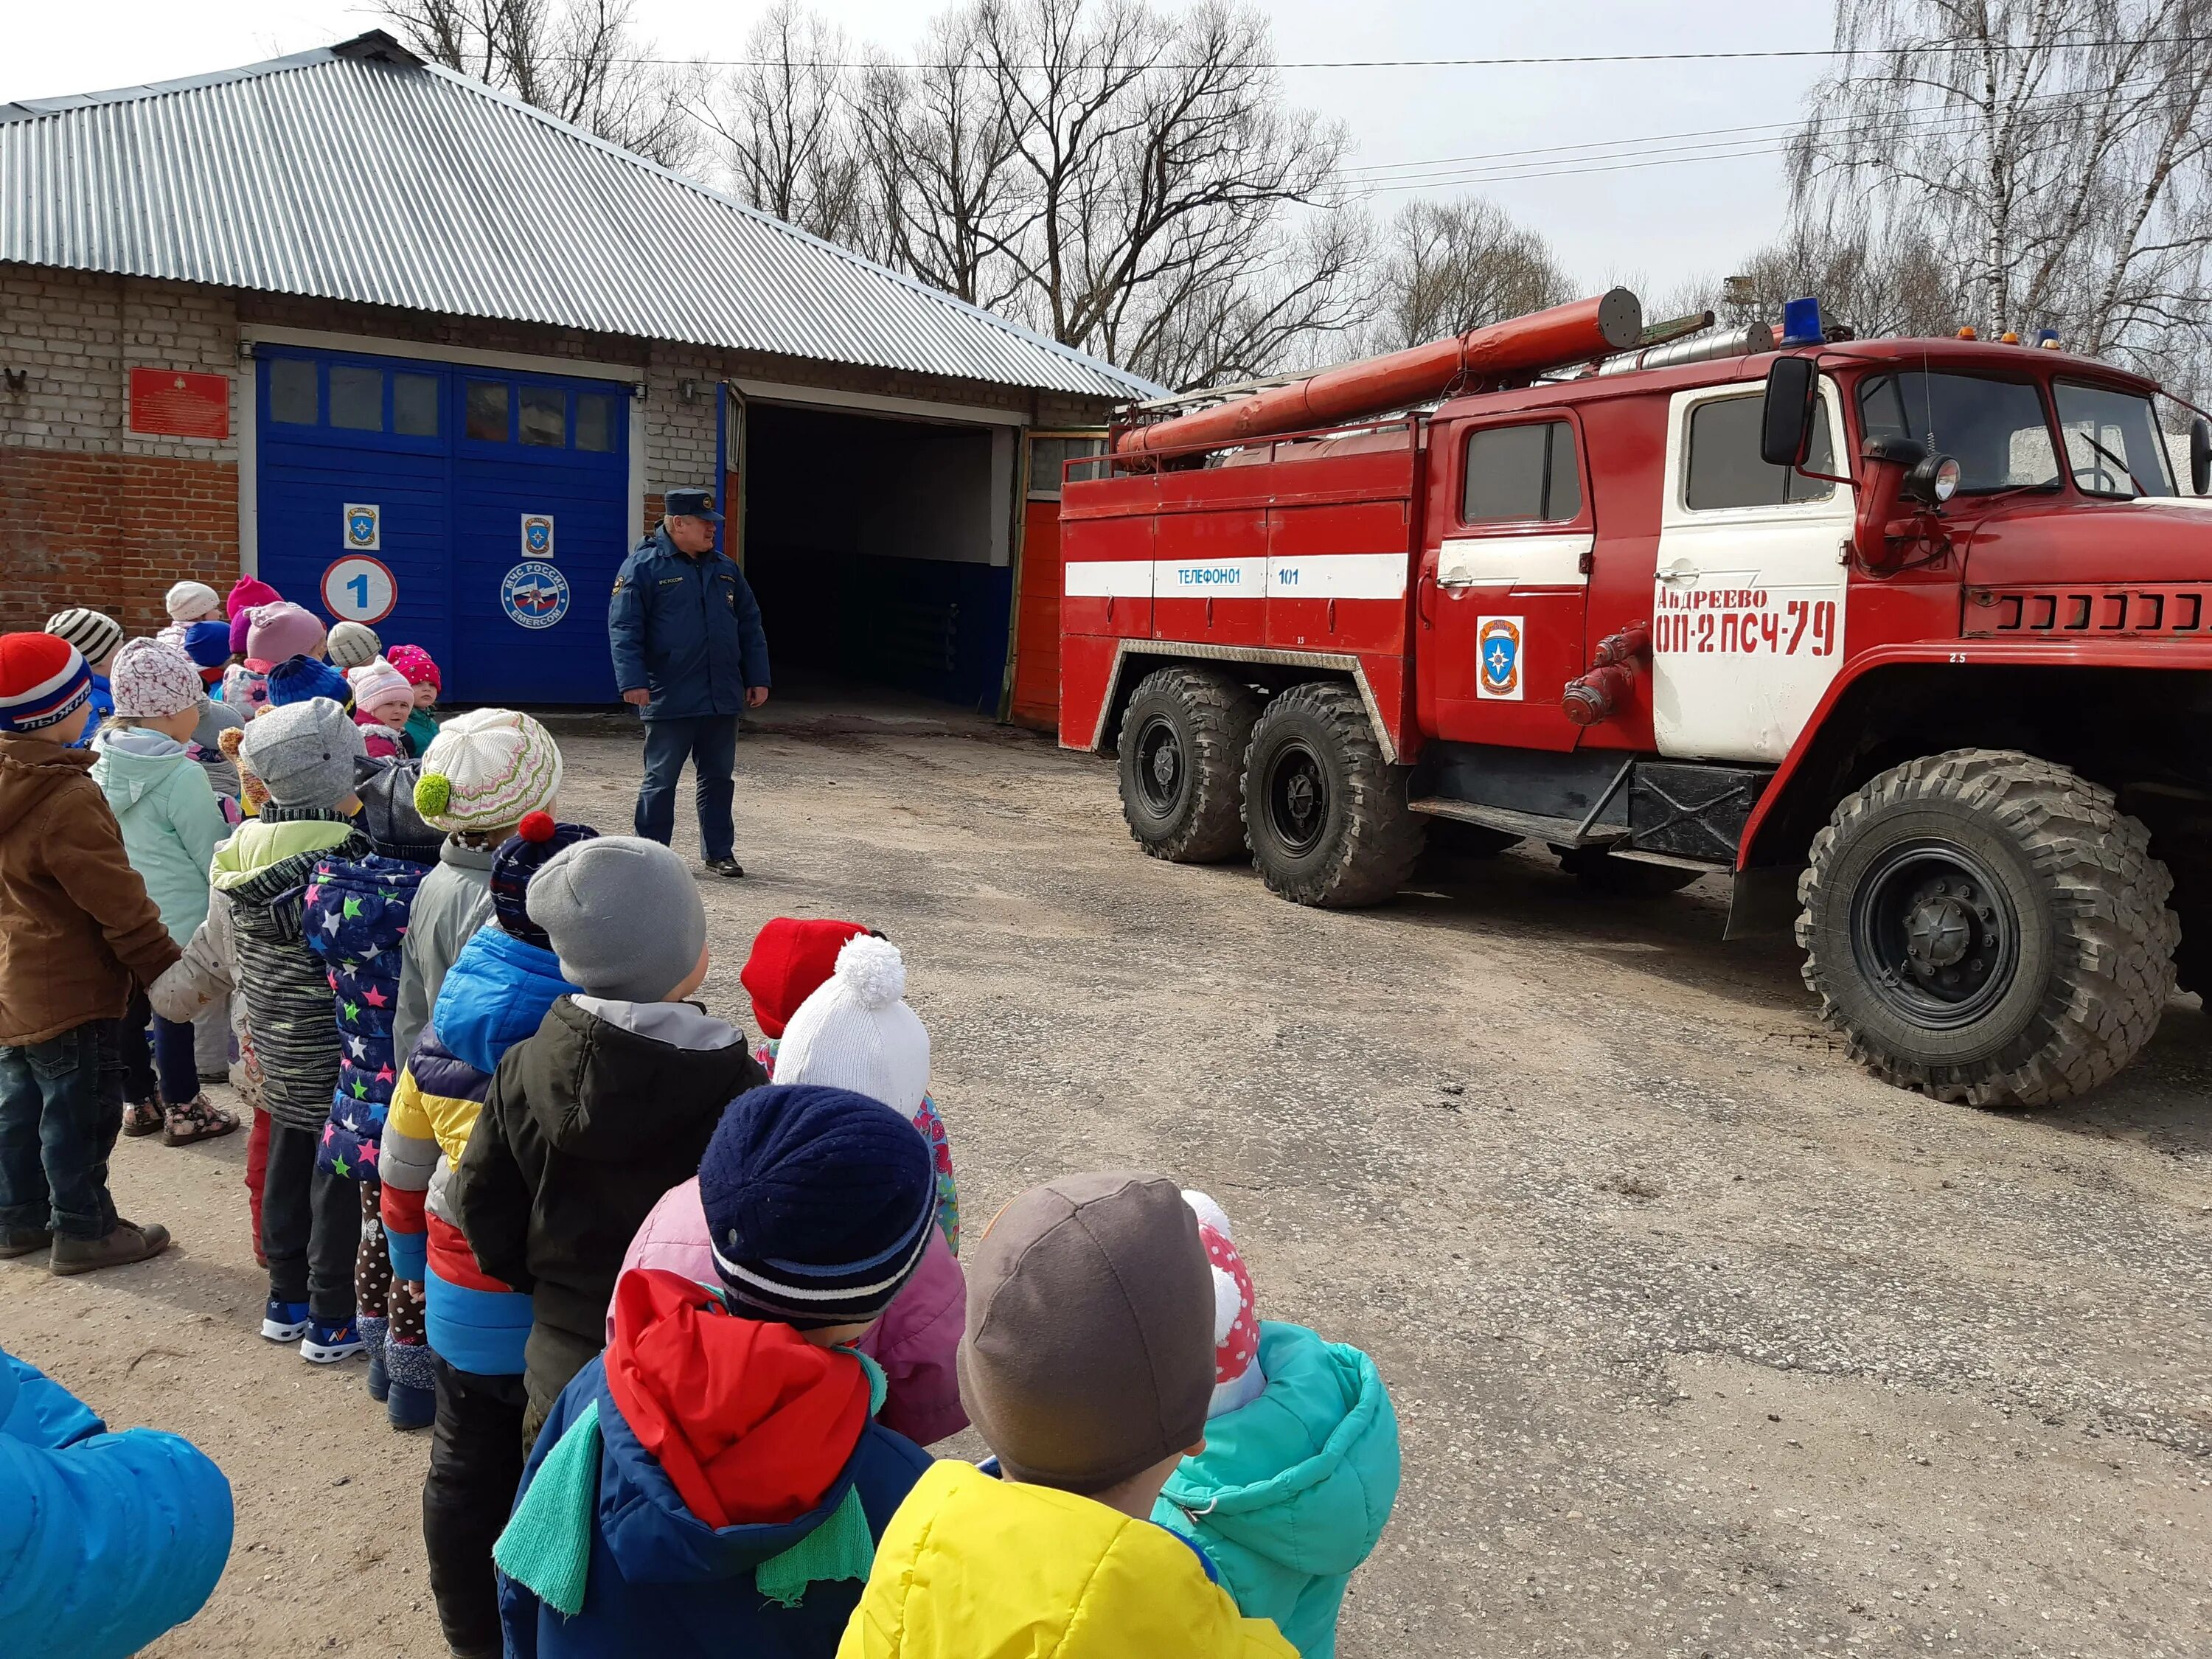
<point>1510,353</point>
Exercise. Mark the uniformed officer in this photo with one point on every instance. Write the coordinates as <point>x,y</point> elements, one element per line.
<point>690,654</point>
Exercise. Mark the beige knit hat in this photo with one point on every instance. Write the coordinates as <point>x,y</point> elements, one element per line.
<point>487,769</point>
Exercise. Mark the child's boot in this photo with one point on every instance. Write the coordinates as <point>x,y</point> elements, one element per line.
<point>414,1400</point>
<point>198,1119</point>
<point>373,1333</point>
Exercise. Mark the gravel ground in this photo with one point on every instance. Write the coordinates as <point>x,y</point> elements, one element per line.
<point>1704,1343</point>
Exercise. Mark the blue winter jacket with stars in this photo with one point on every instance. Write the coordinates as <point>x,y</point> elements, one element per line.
<point>355,920</point>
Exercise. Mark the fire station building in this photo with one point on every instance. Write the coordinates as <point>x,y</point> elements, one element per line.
<point>422,355</point>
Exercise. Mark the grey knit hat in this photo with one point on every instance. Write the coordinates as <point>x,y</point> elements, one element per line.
<point>353,645</point>
<point>622,913</point>
<point>303,752</point>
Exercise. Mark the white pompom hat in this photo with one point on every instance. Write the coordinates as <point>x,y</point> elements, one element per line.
<point>1236,1374</point>
<point>856,1032</point>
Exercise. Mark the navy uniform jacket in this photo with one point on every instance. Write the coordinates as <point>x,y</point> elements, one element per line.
<point>686,629</point>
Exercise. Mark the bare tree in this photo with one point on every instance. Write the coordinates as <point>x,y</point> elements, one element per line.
<point>1156,168</point>
<point>576,59</point>
<point>784,122</point>
<point>1446,267</point>
<point>2057,153</point>
<point>938,142</point>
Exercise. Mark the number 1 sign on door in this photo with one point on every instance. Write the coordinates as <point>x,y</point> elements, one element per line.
<point>358,588</point>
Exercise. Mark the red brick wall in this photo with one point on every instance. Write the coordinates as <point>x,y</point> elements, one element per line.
<point>111,532</point>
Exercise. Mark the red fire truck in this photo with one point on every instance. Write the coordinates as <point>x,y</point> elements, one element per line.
<point>1913,638</point>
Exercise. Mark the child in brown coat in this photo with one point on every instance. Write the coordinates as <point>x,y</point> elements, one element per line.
<point>80,932</point>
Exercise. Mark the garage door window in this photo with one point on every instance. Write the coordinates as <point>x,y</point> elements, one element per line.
<point>415,406</point>
<point>356,398</point>
<point>487,410</point>
<point>544,417</point>
<point>595,421</point>
<point>292,391</point>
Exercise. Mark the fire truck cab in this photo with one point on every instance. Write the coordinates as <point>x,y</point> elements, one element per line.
<point>1910,637</point>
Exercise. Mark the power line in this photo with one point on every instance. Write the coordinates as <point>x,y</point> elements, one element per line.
<point>1928,49</point>
<point>1722,144</point>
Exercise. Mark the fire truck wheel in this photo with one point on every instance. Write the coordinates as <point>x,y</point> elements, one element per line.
<point>1325,813</point>
<point>1987,927</point>
<point>1600,871</point>
<point>1184,737</point>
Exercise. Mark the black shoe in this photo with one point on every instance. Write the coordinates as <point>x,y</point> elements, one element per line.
<point>28,1242</point>
<point>729,867</point>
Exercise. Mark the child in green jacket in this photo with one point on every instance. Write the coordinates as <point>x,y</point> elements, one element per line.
<point>1300,1465</point>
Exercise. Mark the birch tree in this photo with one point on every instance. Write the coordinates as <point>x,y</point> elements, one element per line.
<point>2055,155</point>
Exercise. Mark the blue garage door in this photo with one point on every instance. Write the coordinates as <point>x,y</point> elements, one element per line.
<point>489,510</point>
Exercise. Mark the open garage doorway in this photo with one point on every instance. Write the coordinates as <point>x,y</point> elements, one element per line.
<point>878,548</point>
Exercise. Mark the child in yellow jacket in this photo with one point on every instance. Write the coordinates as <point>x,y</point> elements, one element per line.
<point>1088,1366</point>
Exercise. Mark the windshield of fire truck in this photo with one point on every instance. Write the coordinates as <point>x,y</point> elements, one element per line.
<point>1994,428</point>
<point>2112,441</point>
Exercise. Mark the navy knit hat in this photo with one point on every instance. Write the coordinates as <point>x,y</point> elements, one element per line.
<point>208,643</point>
<point>535,840</point>
<point>295,679</point>
<point>819,1203</point>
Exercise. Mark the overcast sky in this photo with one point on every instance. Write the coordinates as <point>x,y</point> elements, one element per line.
<point>1654,226</point>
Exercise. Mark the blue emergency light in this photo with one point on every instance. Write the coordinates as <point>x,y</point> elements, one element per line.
<point>2047,338</point>
<point>1800,322</point>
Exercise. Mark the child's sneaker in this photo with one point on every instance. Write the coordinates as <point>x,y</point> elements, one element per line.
<point>284,1322</point>
<point>410,1408</point>
<point>141,1117</point>
<point>326,1343</point>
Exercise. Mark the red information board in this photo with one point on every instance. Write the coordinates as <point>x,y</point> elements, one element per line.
<point>170,402</point>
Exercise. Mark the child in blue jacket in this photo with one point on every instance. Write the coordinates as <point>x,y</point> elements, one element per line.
<point>105,1539</point>
<point>1300,1465</point>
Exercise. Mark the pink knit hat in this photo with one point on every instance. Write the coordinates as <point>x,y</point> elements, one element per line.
<point>414,662</point>
<point>282,631</point>
<point>375,682</point>
<point>246,592</point>
<point>150,679</point>
<point>1237,1374</point>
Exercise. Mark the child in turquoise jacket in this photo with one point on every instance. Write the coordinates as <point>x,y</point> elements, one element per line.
<point>170,823</point>
<point>1300,1466</point>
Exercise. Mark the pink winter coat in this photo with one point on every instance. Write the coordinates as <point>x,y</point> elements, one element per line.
<point>913,1341</point>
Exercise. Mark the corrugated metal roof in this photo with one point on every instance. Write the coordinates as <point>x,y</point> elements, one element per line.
<point>358,172</point>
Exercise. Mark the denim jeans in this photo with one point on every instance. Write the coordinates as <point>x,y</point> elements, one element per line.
<point>710,742</point>
<point>61,1108</point>
<point>173,1076</point>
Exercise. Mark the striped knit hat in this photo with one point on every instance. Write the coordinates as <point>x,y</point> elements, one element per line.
<point>819,1203</point>
<point>353,645</point>
<point>520,856</point>
<point>43,679</point>
<point>91,632</point>
<point>487,769</point>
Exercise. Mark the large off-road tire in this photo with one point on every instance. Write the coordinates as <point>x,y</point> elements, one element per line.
<point>1599,870</point>
<point>1987,927</point>
<point>1184,737</point>
<point>1324,813</point>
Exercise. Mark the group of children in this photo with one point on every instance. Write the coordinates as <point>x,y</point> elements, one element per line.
<point>681,1311</point>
